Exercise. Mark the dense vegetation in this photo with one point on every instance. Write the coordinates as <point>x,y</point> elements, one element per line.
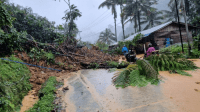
<point>46,93</point>
<point>37,26</point>
<point>175,49</point>
<point>14,84</point>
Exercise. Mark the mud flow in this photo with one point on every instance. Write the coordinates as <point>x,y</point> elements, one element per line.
<point>92,90</point>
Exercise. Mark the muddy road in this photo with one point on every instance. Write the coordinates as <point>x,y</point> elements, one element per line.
<point>93,91</point>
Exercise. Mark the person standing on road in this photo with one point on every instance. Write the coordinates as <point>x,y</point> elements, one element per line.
<point>150,49</point>
<point>125,50</point>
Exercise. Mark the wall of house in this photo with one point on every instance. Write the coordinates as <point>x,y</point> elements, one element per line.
<point>172,32</point>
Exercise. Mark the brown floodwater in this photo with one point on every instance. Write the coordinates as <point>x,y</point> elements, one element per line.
<point>92,90</point>
<point>28,101</point>
<point>183,91</point>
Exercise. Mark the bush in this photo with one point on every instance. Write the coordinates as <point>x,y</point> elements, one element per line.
<point>14,84</point>
<point>102,46</point>
<point>46,94</point>
<point>133,42</point>
<point>38,54</point>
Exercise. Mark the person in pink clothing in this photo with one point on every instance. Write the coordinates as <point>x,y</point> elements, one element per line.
<point>150,49</point>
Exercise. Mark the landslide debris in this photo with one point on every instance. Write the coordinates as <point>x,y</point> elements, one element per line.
<point>71,61</point>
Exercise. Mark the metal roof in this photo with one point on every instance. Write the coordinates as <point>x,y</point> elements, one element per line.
<point>149,31</point>
<point>152,30</point>
<point>146,32</point>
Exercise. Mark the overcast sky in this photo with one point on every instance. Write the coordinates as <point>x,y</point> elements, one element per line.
<point>93,20</point>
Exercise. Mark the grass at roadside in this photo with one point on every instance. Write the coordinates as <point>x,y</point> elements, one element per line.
<point>14,84</point>
<point>46,94</point>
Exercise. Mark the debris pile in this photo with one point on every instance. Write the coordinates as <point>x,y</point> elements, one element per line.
<point>70,59</point>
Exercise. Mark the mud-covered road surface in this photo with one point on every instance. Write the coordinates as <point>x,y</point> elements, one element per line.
<point>93,91</point>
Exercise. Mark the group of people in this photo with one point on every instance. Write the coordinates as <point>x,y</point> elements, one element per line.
<point>149,51</point>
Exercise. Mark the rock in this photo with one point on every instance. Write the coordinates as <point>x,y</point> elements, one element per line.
<point>65,88</point>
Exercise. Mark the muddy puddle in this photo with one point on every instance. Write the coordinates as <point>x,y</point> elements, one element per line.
<point>29,100</point>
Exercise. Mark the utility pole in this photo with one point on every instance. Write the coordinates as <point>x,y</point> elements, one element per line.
<point>122,19</point>
<point>179,25</point>
<point>115,29</point>
<point>138,14</point>
<point>186,26</point>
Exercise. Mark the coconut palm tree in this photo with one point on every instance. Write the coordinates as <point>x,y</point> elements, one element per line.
<point>107,37</point>
<point>134,7</point>
<point>172,14</point>
<point>70,15</point>
<point>152,18</point>
<point>111,4</point>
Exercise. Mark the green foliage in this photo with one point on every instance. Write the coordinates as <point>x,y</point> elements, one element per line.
<point>112,70</point>
<point>70,66</point>
<point>194,52</point>
<point>38,54</point>
<point>123,77</point>
<point>35,25</point>
<point>107,37</point>
<point>12,40</point>
<point>45,104</point>
<point>140,80</point>
<point>103,46</point>
<point>60,64</point>
<point>133,42</point>
<point>6,18</point>
<point>169,62</point>
<point>14,84</point>
<point>137,37</point>
<point>174,49</point>
<point>139,75</point>
<point>49,57</point>
<point>146,69</point>
<point>117,64</point>
<point>181,72</point>
<point>112,63</point>
<point>94,65</point>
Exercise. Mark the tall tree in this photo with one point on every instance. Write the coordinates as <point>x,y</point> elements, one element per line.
<point>134,7</point>
<point>107,37</point>
<point>152,18</point>
<point>111,4</point>
<point>122,16</point>
<point>172,14</point>
<point>70,15</point>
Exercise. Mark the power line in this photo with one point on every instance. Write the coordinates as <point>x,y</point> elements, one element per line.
<point>103,19</point>
<point>98,32</point>
<point>96,19</point>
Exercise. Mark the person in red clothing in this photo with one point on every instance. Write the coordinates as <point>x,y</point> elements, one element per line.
<point>150,49</point>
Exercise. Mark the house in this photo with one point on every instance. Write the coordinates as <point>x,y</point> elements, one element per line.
<point>164,33</point>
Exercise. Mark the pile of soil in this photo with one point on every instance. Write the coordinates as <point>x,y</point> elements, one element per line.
<point>81,59</point>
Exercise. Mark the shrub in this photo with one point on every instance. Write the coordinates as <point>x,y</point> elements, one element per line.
<point>14,84</point>
<point>38,54</point>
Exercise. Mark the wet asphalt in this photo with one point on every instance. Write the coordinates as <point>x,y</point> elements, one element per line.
<point>93,91</point>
